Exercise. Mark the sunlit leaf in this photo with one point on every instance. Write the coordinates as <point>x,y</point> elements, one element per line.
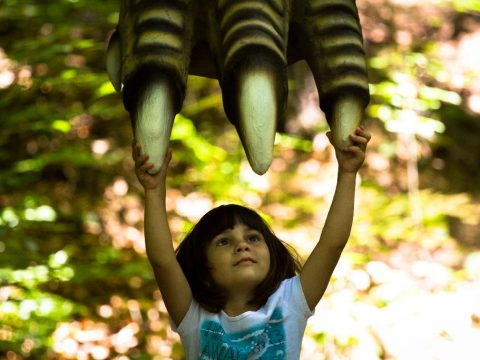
<point>41,213</point>
<point>58,259</point>
<point>9,217</point>
<point>105,89</point>
<point>69,74</point>
<point>293,142</point>
<point>440,94</point>
<point>85,43</point>
<point>61,125</point>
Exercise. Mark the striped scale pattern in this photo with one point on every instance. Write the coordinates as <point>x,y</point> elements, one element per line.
<point>336,57</point>
<point>246,23</point>
<point>156,33</point>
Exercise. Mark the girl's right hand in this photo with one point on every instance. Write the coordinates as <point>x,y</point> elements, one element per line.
<point>351,158</point>
<point>142,167</point>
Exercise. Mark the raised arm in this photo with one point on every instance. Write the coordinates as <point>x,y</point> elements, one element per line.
<point>319,267</point>
<point>171,281</point>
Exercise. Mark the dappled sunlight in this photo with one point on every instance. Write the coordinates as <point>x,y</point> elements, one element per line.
<point>125,338</point>
<point>122,217</point>
<point>7,76</point>
<point>87,339</point>
<point>100,147</point>
<point>75,282</point>
<point>193,206</point>
<point>418,300</point>
<point>12,72</point>
<point>309,115</point>
<point>316,178</point>
<point>303,239</point>
<point>421,311</point>
<point>257,182</point>
<point>80,340</point>
<point>81,125</point>
<point>461,60</point>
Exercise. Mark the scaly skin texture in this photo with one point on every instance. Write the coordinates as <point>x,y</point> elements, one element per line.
<point>247,46</point>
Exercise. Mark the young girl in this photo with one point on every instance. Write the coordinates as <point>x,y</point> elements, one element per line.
<point>233,290</point>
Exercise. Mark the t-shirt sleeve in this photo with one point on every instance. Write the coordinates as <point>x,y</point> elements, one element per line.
<point>296,298</point>
<point>188,330</point>
<point>190,320</point>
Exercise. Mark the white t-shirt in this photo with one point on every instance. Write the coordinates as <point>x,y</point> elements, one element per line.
<point>275,331</point>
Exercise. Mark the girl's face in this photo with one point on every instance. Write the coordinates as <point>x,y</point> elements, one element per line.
<point>238,258</point>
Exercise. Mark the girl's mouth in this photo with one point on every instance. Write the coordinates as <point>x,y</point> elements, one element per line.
<point>245,260</point>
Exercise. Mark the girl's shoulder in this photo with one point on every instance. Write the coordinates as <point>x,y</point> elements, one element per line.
<point>290,295</point>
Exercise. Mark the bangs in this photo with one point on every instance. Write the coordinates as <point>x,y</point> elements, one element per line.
<point>225,217</point>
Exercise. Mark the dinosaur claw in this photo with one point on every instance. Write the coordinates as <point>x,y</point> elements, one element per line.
<point>113,61</point>
<point>257,118</point>
<point>347,115</point>
<point>153,122</point>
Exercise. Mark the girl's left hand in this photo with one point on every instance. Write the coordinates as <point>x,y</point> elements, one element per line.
<point>351,158</point>
<point>143,166</point>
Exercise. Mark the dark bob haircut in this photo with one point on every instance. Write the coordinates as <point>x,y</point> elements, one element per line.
<point>192,257</point>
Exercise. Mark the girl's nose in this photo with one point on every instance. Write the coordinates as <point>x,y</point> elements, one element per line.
<point>241,246</point>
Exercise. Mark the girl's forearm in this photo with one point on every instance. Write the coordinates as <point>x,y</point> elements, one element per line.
<point>158,239</point>
<point>338,224</point>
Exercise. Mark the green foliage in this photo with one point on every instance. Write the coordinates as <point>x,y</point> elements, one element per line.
<point>71,244</point>
<point>29,312</point>
<point>403,104</point>
<point>466,5</point>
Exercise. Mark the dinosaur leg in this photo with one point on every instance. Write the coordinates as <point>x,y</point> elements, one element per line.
<point>254,83</point>
<point>334,51</point>
<point>156,43</point>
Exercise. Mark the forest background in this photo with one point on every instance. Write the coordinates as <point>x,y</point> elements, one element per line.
<point>74,279</point>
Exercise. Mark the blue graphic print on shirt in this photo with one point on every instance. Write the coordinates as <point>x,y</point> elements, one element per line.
<point>265,341</point>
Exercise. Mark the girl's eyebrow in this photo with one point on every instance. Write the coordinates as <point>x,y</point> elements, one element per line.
<point>222,233</point>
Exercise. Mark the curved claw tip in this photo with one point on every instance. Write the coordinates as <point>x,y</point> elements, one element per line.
<point>258,118</point>
<point>261,167</point>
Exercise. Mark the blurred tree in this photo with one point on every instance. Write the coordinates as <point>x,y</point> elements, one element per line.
<point>74,280</point>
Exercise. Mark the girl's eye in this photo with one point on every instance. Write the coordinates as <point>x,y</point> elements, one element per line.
<point>253,238</point>
<point>222,242</point>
